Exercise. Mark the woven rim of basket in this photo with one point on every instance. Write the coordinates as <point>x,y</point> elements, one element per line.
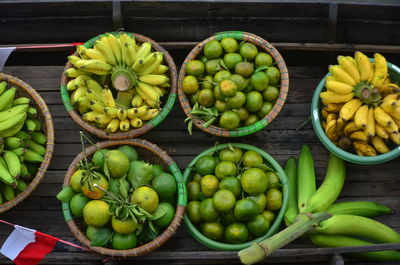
<point>101,133</point>
<point>259,125</point>
<point>44,112</point>
<point>168,232</point>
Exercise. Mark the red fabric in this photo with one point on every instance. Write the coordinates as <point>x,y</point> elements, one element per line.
<point>36,251</point>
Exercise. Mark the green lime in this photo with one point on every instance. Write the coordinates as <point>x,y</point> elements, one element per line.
<point>193,189</point>
<point>193,212</point>
<point>193,98</point>
<point>274,199</point>
<point>270,215</point>
<point>76,179</point>
<point>225,169</point>
<point>129,151</point>
<point>251,119</point>
<point>213,230</point>
<point>98,157</point>
<point>263,59</point>
<point>165,185</point>
<point>240,81</point>
<point>190,85</point>
<point>123,227</point>
<point>243,113</point>
<point>265,109</point>
<point>207,211</point>
<point>228,88</point>
<point>167,218</point>
<point>245,209</point>
<point>96,213</point>
<point>229,44</point>
<point>254,181</point>
<point>209,185</point>
<point>274,75</point>
<point>213,67</point>
<point>213,49</point>
<point>232,184</point>
<point>123,242</point>
<point>244,69</point>
<point>205,165</point>
<point>273,178</point>
<point>207,82</point>
<point>91,231</point>
<point>229,120</point>
<point>145,197</point>
<point>259,225</point>
<point>228,218</point>
<point>260,200</point>
<point>259,81</point>
<point>236,233</point>
<point>248,51</point>
<point>195,67</point>
<point>252,158</point>
<point>157,170</point>
<point>206,97</point>
<point>217,93</point>
<point>231,59</point>
<point>221,76</point>
<point>271,93</point>
<point>196,177</point>
<point>233,154</point>
<point>221,106</point>
<point>77,204</point>
<point>224,201</point>
<point>248,88</point>
<point>254,101</point>
<point>237,101</point>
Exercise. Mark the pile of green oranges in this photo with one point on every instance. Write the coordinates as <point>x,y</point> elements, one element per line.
<point>233,195</point>
<point>235,79</point>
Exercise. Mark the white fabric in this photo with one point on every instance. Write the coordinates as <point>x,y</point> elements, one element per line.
<point>17,241</point>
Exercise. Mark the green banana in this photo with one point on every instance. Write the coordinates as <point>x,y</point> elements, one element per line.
<point>366,209</point>
<point>39,138</point>
<point>21,185</point>
<point>32,112</point>
<point>32,156</point>
<point>3,86</point>
<point>346,241</point>
<point>8,192</point>
<point>30,125</point>
<point>3,162</point>
<point>330,188</point>
<point>7,98</point>
<point>18,151</point>
<point>353,225</point>
<point>32,169</point>
<point>21,100</point>
<point>24,170</point>
<point>41,150</point>
<point>13,163</point>
<point>292,210</point>
<point>38,124</point>
<point>22,135</point>
<point>66,194</point>
<point>1,199</point>
<point>10,113</point>
<point>12,142</point>
<point>11,122</point>
<point>12,131</point>
<point>305,178</point>
<point>5,176</point>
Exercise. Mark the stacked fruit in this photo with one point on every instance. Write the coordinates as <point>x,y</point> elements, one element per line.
<point>233,196</point>
<point>123,201</point>
<point>361,105</point>
<point>22,144</point>
<point>117,84</point>
<point>234,84</point>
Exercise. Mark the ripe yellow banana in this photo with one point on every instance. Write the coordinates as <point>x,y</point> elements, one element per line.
<point>385,120</point>
<point>136,123</point>
<point>151,66</point>
<point>96,106</point>
<point>113,126</point>
<point>77,94</point>
<point>349,109</point>
<point>71,85</point>
<point>94,86</point>
<point>115,47</point>
<point>82,51</point>
<point>361,117</point>
<point>324,113</point>
<point>124,125</point>
<point>140,65</point>
<point>143,51</point>
<point>72,72</point>
<point>154,80</point>
<point>108,98</point>
<point>102,119</point>
<point>111,112</point>
<point>338,87</point>
<point>122,114</point>
<point>364,64</point>
<point>73,59</point>
<point>150,114</point>
<point>339,126</point>
<point>103,47</point>
<point>82,80</point>
<point>331,116</point>
<point>332,107</point>
<point>341,75</point>
<point>395,137</point>
<point>380,131</point>
<point>137,101</point>
<point>331,97</point>
<point>364,148</point>
<point>83,104</point>
<point>359,135</point>
<point>161,69</point>
<point>381,70</point>
<point>95,54</point>
<point>370,128</point>
<point>93,95</point>
<point>127,58</point>
<point>349,67</point>
<point>96,67</point>
<point>379,144</point>
<point>90,116</point>
<point>349,128</point>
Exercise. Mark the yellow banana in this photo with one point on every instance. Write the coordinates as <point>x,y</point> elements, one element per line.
<point>349,67</point>
<point>161,69</point>
<point>95,54</point>
<point>395,137</point>
<point>127,58</point>
<point>96,67</point>
<point>103,47</point>
<point>82,51</point>
<point>94,86</point>
<point>385,120</point>
<point>372,73</point>
<point>96,106</point>
<point>359,135</point>
<point>332,107</point>
<point>361,117</point>
<point>113,126</point>
<point>338,87</point>
<point>115,47</point>
<point>71,85</point>
<point>137,101</point>
<point>77,94</point>
<point>390,102</point>
<point>331,116</point>
<point>332,78</point>
<point>150,67</point>
<point>140,65</point>
<point>81,80</point>
<point>83,104</point>
<point>148,90</point>
<point>93,95</point>
<point>364,64</point>
<point>150,114</point>
<point>364,148</point>
<point>124,125</point>
<point>331,97</point>
<point>73,59</point>
<point>136,123</point>
<point>341,75</point>
<point>111,112</point>
<point>122,114</point>
<point>380,131</point>
<point>370,128</point>
<point>108,98</point>
<point>102,119</point>
<point>154,80</point>
<point>90,116</point>
<point>331,130</point>
<point>349,128</point>
<point>381,70</point>
<point>136,112</point>
<point>143,51</point>
<point>352,60</point>
<point>324,113</point>
<point>349,109</point>
<point>379,144</point>
<point>340,123</point>
<point>388,88</point>
<point>72,72</point>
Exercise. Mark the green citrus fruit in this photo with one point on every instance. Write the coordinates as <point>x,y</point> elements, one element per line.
<point>259,81</point>
<point>273,180</point>
<point>207,211</point>
<point>224,201</point>
<point>91,231</point>
<point>193,98</point>
<point>98,157</point>
<point>228,88</point>
<point>114,185</point>
<point>236,233</point>
<point>240,81</point>
<point>205,165</point>
<point>259,225</point>
<point>195,67</point>
<point>129,151</point>
<point>146,198</point>
<point>196,177</point>
<point>244,69</point>
<point>213,49</point>
<point>254,101</point>
<point>190,85</point>
<point>274,199</point>
<point>270,215</point>
<point>193,212</point>
<point>229,44</point>
<point>213,230</point>
<point>260,200</point>
<point>248,51</point>
<point>243,113</point>
<point>96,213</point>
<point>265,109</point>
<point>254,181</point>
<point>123,242</point>
<point>263,59</point>
<point>221,76</point>
<point>206,97</point>
<point>167,218</point>
<point>271,93</point>
<point>232,184</point>
<point>252,158</point>
<point>77,204</point>
<point>157,170</point>
<point>221,106</point>
<point>209,185</point>
<point>213,67</point>
<point>237,101</point>
<point>118,163</point>
<point>229,120</point>
<point>217,94</point>
<point>274,75</point>
<point>94,192</point>
<point>228,218</point>
<point>165,185</point>
<point>227,154</point>
<point>251,119</point>
<point>123,227</point>
<point>225,169</point>
<point>76,179</point>
<point>193,189</point>
<point>245,209</point>
<point>207,82</point>
<point>231,59</point>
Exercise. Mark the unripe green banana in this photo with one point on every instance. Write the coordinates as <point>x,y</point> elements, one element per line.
<point>39,138</point>
<point>292,210</point>
<point>22,135</point>
<point>32,156</point>
<point>13,163</point>
<point>3,162</point>
<point>11,112</point>
<point>8,192</point>
<point>21,185</point>
<point>12,142</point>
<point>32,112</point>
<point>7,98</point>
<point>66,194</point>
<point>24,170</point>
<point>12,122</point>
<point>38,124</point>
<point>13,130</point>
<point>3,86</point>
<point>1,198</point>
<point>21,100</point>
<point>353,225</point>
<point>346,241</point>
<point>5,175</point>
<point>366,209</point>
<point>41,150</point>
<point>30,125</point>
<point>18,151</point>
<point>305,178</point>
<point>330,188</point>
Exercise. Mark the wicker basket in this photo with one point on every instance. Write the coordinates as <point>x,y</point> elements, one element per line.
<point>284,85</point>
<point>25,90</point>
<point>166,106</point>
<point>148,152</point>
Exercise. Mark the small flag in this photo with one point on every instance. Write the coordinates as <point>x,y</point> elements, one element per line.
<point>26,246</point>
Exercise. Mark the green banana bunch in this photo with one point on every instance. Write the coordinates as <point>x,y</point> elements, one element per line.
<point>366,209</point>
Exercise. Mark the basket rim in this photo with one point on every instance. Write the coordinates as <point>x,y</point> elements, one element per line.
<point>166,109</point>
<point>168,232</point>
<point>262,123</point>
<point>279,218</point>
<point>49,131</point>
<point>319,131</point>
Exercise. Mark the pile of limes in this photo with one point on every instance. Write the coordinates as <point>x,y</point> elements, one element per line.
<point>134,204</point>
<point>236,79</point>
<point>233,195</point>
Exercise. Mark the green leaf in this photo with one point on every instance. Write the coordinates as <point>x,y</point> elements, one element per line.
<point>263,167</point>
<point>231,147</point>
<point>261,68</point>
<point>105,169</point>
<point>209,122</point>
<point>222,63</point>
<point>190,127</point>
<point>159,213</point>
<point>140,174</point>
<point>101,238</point>
<point>148,234</point>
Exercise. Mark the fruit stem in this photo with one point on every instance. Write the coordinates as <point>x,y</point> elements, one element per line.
<point>305,222</point>
<point>123,79</point>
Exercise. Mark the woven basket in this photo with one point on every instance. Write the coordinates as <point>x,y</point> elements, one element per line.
<point>102,133</point>
<point>152,154</point>
<point>25,90</point>
<point>284,85</point>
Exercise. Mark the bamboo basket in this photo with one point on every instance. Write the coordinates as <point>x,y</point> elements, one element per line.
<point>167,104</point>
<point>25,90</point>
<point>148,152</point>
<point>262,123</point>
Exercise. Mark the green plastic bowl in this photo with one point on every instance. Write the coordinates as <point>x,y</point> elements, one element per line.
<point>278,220</point>
<point>316,121</point>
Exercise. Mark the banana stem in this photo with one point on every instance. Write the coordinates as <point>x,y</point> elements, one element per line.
<point>122,79</point>
<point>304,223</point>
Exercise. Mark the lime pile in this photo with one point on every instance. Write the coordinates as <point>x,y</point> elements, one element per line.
<point>232,84</point>
<point>123,201</point>
<point>233,195</point>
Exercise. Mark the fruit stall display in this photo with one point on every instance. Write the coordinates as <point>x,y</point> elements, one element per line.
<point>123,198</point>
<point>26,140</point>
<point>232,84</point>
<point>116,85</point>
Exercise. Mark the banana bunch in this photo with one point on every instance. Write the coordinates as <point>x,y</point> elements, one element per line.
<point>361,107</point>
<point>118,83</point>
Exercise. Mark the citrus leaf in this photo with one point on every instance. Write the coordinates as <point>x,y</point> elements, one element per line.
<point>263,167</point>
<point>105,169</point>
<point>159,213</point>
<point>261,68</point>
<point>231,147</point>
<point>101,237</point>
